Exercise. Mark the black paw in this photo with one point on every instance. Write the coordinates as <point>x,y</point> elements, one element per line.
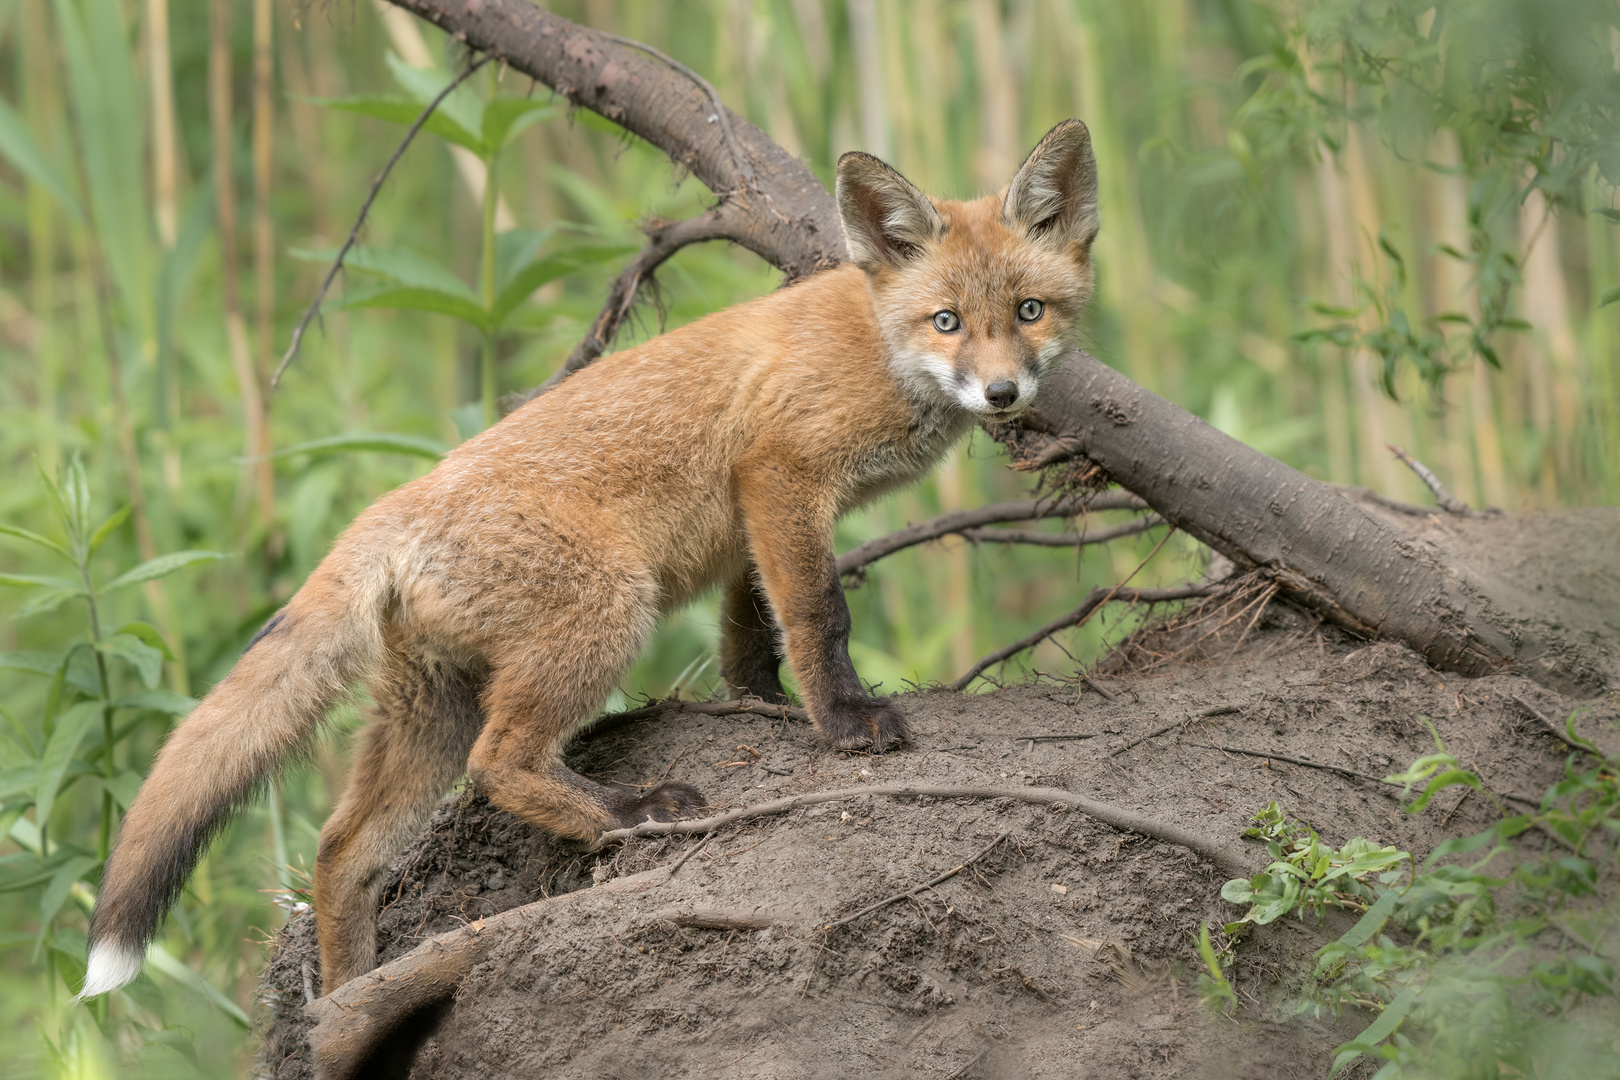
<point>873,725</point>
<point>667,802</point>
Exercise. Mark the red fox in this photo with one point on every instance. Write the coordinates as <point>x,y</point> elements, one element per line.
<point>492,604</point>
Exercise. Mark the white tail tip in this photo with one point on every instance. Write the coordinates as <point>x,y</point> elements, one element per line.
<point>111,966</point>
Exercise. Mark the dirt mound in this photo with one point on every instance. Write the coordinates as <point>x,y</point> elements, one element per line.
<point>1063,949</point>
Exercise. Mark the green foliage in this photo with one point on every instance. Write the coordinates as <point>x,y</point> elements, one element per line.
<point>1480,959</point>
<point>1526,89</point>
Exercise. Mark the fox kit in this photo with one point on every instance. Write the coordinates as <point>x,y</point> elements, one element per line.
<point>490,605</point>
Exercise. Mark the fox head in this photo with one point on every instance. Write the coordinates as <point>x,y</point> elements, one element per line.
<point>974,299</point>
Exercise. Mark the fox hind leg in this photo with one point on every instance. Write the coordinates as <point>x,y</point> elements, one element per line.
<point>750,643</point>
<point>425,721</point>
<point>534,700</point>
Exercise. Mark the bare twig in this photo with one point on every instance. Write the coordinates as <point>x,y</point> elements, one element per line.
<point>1094,600</point>
<point>1448,502</point>
<point>1107,694</point>
<point>1301,762</point>
<point>897,897</point>
<point>360,219</point>
<point>989,514</point>
<point>1107,813</point>
<point>1154,734</point>
<point>751,705</point>
<point>663,240</point>
<point>1063,539</point>
<point>680,862</point>
<point>1553,729</point>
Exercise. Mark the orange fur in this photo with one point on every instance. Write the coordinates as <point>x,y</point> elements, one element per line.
<point>494,602</point>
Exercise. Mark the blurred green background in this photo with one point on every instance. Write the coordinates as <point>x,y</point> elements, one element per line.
<point>1327,227</point>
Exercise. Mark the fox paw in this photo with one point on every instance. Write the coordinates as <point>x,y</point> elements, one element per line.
<point>667,802</point>
<point>874,725</point>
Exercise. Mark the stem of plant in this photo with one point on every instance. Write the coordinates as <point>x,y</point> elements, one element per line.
<point>104,841</point>
<point>486,364</point>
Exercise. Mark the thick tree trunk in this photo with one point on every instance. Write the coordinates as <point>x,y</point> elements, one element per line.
<point>1324,550</point>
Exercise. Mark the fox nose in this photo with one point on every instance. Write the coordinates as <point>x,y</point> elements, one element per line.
<point>1001,393</point>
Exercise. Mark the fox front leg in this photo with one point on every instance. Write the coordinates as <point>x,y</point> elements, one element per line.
<point>790,529</point>
<point>750,645</point>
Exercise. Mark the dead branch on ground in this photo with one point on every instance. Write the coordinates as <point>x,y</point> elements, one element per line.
<point>1107,813</point>
<point>1094,600</point>
<point>929,884</point>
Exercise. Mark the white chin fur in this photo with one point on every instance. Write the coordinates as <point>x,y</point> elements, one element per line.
<point>111,966</point>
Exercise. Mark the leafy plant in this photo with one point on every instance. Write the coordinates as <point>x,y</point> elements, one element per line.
<point>1527,91</point>
<point>103,685</point>
<point>510,265</point>
<point>1471,973</point>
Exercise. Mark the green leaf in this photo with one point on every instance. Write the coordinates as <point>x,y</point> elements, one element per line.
<point>149,634</point>
<point>357,441</point>
<point>515,249</point>
<point>107,103</point>
<point>163,701</point>
<point>401,265</point>
<point>506,117</point>
<point>164,961</point>
<point>1610,295</point>
<point>59,750</point>
<point>26,156</point>
<point>1370,923</point>
<point>406,298</point>
<point>56,893</point>
<point>40,663</point>
<point>404,112</point>
<point>147,661</point>
<point>29,581</point>
<point>1611,214</point>
<point>123,787</point>
<point>109,527</point>
<point>559,264</point>
<point>162,566</point>
<point>463,107</point>
<point>1376,1032</point>
<point>35,538</point>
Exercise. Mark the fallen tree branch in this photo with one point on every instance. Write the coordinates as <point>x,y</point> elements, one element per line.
<point>1448,502</point>
<point>1325,552</point>
<point>989,514</point>
<point>1107,813</point>
<point>1063,539</point>
<point>360,218</point>
<point>1094,600</point>
<point>897,897</point>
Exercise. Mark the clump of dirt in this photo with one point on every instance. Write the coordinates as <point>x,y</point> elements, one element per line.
<point>1064,948</point>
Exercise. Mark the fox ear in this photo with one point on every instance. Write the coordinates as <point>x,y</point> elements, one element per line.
<point>1053,196</point>
<point>886,220</point>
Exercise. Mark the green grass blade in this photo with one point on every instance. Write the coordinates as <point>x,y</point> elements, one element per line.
<point>362,441</point>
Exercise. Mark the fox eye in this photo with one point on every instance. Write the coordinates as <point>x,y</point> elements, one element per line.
<point>1030,310</point>
<point>946,321</point>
